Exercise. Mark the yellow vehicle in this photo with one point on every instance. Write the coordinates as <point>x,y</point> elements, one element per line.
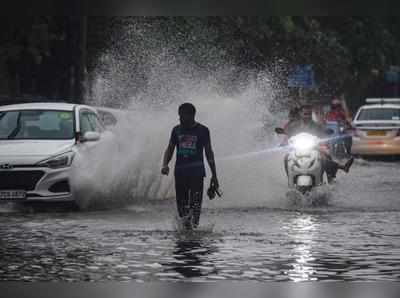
<point>377,128</point>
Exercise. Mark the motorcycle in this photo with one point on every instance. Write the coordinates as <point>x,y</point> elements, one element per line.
<point>303,163</point>
<point>340,142</point>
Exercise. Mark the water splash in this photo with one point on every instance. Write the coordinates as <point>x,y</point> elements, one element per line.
<point>318,198</point>
<point>236,104</point>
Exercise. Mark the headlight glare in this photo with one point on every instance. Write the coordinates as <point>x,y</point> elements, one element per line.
<point>303,142</point>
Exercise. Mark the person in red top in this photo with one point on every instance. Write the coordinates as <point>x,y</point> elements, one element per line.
<point>337,112</point>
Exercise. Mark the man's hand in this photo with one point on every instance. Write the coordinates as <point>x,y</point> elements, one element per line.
<point>214,181</point>
<point>167,158</point>
<point>165,170</point>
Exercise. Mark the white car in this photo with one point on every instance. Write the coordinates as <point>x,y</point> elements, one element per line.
<point>38,142</point>
<point>377,128</point>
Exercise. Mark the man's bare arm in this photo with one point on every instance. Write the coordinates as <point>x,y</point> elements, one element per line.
<point>167,158</point>
<point>211,162</point>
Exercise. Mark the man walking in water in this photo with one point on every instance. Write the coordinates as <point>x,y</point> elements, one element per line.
<point>190,138</point>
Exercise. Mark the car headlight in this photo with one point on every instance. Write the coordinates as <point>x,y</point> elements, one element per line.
<point>59,161</point>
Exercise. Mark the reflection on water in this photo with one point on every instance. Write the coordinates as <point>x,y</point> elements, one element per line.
<point>191,258</point>
<point>253,244</point>
<point>302,230</point>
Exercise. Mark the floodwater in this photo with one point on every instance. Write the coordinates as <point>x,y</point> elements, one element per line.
<point>351,234</point>
<point>347,231</point>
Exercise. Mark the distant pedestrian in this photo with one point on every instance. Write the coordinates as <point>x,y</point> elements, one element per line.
<point>190,138</point>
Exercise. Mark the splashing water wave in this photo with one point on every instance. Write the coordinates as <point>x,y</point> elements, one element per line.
<point>241,120</point>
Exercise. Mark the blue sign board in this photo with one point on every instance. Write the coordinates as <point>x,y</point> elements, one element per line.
<point>393,74</point>
<point>302,77</point>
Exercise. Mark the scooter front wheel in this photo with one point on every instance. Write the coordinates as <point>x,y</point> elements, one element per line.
<point>304,189</point>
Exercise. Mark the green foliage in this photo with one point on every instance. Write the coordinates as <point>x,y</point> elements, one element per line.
<point>349,54</point>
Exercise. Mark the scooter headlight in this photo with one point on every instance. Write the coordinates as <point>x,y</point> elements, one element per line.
<point>303,142</point>
<point>59,161</point>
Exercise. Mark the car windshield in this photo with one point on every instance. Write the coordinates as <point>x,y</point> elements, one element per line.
<point>36,124</point>
<point>379,114</point>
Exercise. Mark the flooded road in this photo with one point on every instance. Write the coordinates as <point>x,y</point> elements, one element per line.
<point>354,236</point>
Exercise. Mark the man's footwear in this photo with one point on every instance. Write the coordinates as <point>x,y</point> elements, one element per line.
<point>187,222</point>
<point>348,164</point>
<point>188,226</point>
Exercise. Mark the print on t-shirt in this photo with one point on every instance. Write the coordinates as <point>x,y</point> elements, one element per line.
<point>187,145</point>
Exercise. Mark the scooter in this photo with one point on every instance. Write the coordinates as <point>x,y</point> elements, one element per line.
<point>340,141</point>
<point>303,163</point>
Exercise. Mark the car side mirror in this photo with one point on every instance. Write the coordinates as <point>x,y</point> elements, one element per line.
<point>280,131</point>
<point>90,136</point>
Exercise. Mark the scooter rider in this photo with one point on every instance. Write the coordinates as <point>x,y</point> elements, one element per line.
<point>338,114</point>
<point>292,116</point>
<point>306,124</point>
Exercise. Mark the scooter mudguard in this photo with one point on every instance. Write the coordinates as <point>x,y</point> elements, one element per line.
<point>304,180</point>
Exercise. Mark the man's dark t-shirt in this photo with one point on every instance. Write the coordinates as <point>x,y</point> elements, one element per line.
<point>190,143</point>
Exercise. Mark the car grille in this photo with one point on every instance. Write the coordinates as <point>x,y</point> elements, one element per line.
<point>23,180</point>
